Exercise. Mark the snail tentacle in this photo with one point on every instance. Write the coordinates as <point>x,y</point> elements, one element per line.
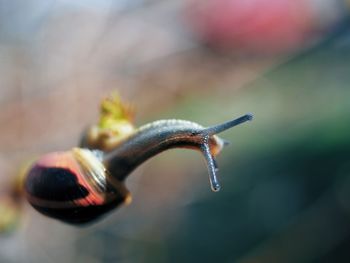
<point>228,125</point>
<point>211,165</point>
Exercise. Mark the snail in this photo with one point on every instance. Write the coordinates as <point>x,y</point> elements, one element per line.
<point>81,185</point>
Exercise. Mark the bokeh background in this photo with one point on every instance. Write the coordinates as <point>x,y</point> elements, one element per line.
<point>285,176</point>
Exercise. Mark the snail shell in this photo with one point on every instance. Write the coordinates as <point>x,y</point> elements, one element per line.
<point>73,186</point>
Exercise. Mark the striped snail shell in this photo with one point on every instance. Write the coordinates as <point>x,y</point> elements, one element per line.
<point>73,186</point>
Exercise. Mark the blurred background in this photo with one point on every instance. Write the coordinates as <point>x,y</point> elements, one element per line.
<point>285,176</point>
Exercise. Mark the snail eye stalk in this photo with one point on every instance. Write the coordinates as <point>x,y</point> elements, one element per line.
<point>211,162</point>
<point>212,166</point>
<point>228,125</point>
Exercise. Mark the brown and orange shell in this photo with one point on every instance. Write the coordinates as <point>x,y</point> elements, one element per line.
<point>73,186</point>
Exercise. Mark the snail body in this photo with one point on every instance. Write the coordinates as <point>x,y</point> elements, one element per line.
<point>81,185</point>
